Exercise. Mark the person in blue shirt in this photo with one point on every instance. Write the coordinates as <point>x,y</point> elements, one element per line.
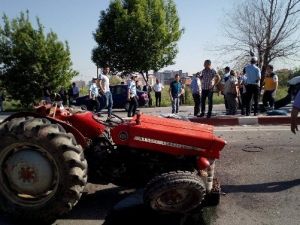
<point>132,95</point>
<point>253,75</point>
<point>175,92</point>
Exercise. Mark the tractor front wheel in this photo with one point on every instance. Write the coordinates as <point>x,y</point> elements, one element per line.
<point>176,192</point>
<point>43,171</point>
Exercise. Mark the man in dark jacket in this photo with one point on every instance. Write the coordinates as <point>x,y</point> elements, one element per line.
<point>175,92</point>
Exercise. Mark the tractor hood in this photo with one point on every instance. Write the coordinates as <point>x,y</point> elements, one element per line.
<point>169,136</point>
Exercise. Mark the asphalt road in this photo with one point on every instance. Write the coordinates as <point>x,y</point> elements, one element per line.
<point>259,172</point>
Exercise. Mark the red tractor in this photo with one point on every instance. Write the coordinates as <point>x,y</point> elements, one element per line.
<point>47,157</point>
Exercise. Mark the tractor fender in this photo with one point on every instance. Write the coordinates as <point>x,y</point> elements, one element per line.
<point>83,141</point>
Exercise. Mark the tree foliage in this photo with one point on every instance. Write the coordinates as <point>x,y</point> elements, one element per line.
<point>265,27</point>
<point>137,35</point>
<point>30,59</point>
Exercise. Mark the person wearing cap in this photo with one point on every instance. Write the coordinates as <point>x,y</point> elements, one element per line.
<point>104,89</point>
<point>253,75</point>
<point>209,79</point>
<point>294,113</point>
<point>196,91</point>
<point>132,96</point>
<point>94,94</point>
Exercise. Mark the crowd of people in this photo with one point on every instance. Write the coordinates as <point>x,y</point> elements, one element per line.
<point>240,90</point>
<point>101,85</point>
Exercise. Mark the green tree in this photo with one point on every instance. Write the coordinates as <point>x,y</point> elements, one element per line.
<point>137,35</point>
<point>30,59</point>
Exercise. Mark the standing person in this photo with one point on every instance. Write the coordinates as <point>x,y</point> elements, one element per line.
<point>224,79</point>
<point>75,91</point>
<point>2,99</point>
<point>63,94</point>
<point>104,88</point>
<point>47,93</point>
<point>175,92</point>
<point>231,93</point>
<point>147,88</point>
<point>253,74</point>
<point>70,95</point>
<point>93,94</point>
<point>270,88</point>
<point>157,87</point>
<point>196,91</point>
<point>242,80</point>
<point>132,95</point>
<point>182,96</point>
<point>294,113</point>
<point>209,78</point>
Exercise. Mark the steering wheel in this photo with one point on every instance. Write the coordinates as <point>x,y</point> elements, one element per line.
<point>109,122</point>
<point>119,119</point>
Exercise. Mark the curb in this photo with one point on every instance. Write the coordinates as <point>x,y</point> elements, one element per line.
<point>247,120</point>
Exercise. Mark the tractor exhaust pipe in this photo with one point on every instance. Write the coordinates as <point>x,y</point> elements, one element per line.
<point>210,176</point>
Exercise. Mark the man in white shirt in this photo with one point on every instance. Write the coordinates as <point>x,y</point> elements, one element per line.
<point>104,88</point>
<point>157,87</point>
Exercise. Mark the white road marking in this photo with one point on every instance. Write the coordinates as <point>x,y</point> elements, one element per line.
<point>248,128</point>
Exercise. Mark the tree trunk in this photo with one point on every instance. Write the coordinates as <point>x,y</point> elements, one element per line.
<point>146,78</point>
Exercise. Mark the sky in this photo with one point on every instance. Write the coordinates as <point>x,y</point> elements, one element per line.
<point>76,20</point>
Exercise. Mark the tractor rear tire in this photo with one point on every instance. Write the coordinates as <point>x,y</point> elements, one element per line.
<point>175,192</point>
<point>43,171</point>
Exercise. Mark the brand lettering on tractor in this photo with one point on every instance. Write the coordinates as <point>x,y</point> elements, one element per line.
<point>166,143</point>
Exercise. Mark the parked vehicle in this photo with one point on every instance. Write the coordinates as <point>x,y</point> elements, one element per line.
<point>294,87</point>
<point>47,158</point>
<point>119,93</point>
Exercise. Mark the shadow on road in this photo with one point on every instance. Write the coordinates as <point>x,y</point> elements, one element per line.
<point>261,188</point>
<point>131,210</point>
<point>118,206</point>
<point>90,207</point>
<point>95,206</point>
<point>137,215</point>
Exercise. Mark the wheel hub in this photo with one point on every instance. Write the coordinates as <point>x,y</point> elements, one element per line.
<point>172,197</point>
<point>29,172</point>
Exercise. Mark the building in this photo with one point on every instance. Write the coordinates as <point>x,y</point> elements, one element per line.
<point>167,76</point>
<point>151,79</point>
